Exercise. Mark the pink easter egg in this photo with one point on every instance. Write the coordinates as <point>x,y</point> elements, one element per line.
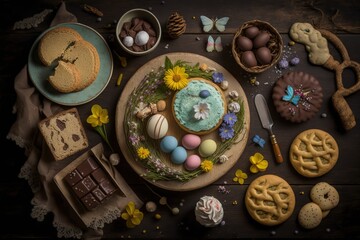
<point>191,141</point>
<point>192,162</point>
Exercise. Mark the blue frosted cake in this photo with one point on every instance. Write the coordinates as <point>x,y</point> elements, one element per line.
<point>199,107</point>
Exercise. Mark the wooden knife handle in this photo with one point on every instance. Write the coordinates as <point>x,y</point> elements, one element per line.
<point>276,148</point>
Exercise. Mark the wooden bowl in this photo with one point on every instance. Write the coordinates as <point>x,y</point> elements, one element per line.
<point>275,45</point>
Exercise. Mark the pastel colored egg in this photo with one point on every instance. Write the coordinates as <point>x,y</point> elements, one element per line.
<point>207,147</point>
<point>204,93</point>
<point>168,144</point>
<point>191,141</point>
<point>157,126</point>
<point>178,155</point>
<point>192,162</point>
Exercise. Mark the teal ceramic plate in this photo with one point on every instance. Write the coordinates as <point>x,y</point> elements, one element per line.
<point>39,73</point>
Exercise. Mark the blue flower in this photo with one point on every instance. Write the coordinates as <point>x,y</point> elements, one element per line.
<point>230,119</point>
<point>218,77</point>
<point>226,132</point>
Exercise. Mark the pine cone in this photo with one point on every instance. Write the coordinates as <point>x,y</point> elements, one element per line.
<point>176,25</point>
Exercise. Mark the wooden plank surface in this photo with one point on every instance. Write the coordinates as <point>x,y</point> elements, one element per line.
<point>341,17</point>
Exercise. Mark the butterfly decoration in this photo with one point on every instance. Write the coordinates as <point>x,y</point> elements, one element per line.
<point>291,96</point>
<point>258,140</point>
<point>214,45</point>
<point>209,24</point>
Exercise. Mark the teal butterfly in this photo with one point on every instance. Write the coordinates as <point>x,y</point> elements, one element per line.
<point>290,96</point>
<point>209,24</point>
<point>214,45</point>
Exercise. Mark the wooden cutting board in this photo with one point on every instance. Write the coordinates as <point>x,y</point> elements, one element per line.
<point>218,170</point>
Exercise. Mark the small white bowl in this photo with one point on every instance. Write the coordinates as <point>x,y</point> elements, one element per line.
<point>144,15</point>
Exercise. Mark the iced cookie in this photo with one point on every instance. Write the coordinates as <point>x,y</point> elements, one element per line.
<point>324,195</point>
<point>270,200</point>
<point>313,153</point>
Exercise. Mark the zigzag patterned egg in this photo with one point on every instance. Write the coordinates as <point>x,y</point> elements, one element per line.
<point>157,126</point>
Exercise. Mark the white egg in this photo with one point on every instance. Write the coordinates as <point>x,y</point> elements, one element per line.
<point>157,126</point>
<point>141,38</point>
<point>128,41</point>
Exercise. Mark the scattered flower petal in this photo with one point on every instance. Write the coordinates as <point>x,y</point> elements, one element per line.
<point>240,176</point>
<point>258,163</point>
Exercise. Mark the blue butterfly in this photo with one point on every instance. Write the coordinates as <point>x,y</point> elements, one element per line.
<point>258,140</point>
<point>290,96</point>
<point>209,24</point>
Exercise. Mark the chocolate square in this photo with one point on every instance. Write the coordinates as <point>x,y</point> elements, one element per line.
<point>90,201</point>
<point>99,175</point>
<point>99,194</point>
<point>73,177</point>
<point>107,187</point>
<point>87,166</point>
<point>84,186</point>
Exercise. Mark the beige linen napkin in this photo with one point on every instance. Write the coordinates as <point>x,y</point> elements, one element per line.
<point>40,168</point>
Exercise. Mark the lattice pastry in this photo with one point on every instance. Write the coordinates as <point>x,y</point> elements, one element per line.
<point>313,153</point>
<point>270,200</point>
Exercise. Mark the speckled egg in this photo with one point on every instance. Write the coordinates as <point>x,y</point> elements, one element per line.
<point>178,155</point>
<point>190,141</point>
<point>207,148</point>
<point>157,126</point>
<point>204,94</point>
<point>128,41</point>
<point>192,162</point>
<point>141,38</point>
<point>168,144</point>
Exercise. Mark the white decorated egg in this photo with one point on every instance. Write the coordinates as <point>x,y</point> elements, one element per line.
<point>178,155</point>
<point>128,41</point>
<point>168,144</point>
<point>157,126</point>
<point>207,148</point>
<point>191,141</point>
<point>192,162</point>
<point>141,38</point>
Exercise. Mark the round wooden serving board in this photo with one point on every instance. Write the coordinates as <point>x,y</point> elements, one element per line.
<point>219,169</point>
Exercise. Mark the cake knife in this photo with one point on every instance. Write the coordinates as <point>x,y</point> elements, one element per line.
<point>267,123</point>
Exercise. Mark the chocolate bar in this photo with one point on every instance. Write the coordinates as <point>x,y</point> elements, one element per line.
<point>90,183</point>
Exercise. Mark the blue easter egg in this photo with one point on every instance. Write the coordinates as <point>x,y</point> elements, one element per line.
<point>178,155</point>
<point>204,93</point>
<point>168,144</point>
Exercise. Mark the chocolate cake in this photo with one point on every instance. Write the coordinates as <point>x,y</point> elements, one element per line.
<point>297,96</point>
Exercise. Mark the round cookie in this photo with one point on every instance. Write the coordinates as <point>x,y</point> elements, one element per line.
<point>270,200</point>
<point>313,153</point>
<point>324,195</point>
<point>297,96</point>
<point>192,95</point>
<point>310,215</point>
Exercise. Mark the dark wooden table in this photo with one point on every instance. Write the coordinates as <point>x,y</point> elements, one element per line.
<point>340,17</point>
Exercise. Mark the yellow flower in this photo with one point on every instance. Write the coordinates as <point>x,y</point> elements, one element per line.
<point>206,165</point>
<point>176,78</point>
<point>240,176</point>
<point>99,116</point>
<point>132,215</point>
<point>258,163</point>
<point>143,152</point>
